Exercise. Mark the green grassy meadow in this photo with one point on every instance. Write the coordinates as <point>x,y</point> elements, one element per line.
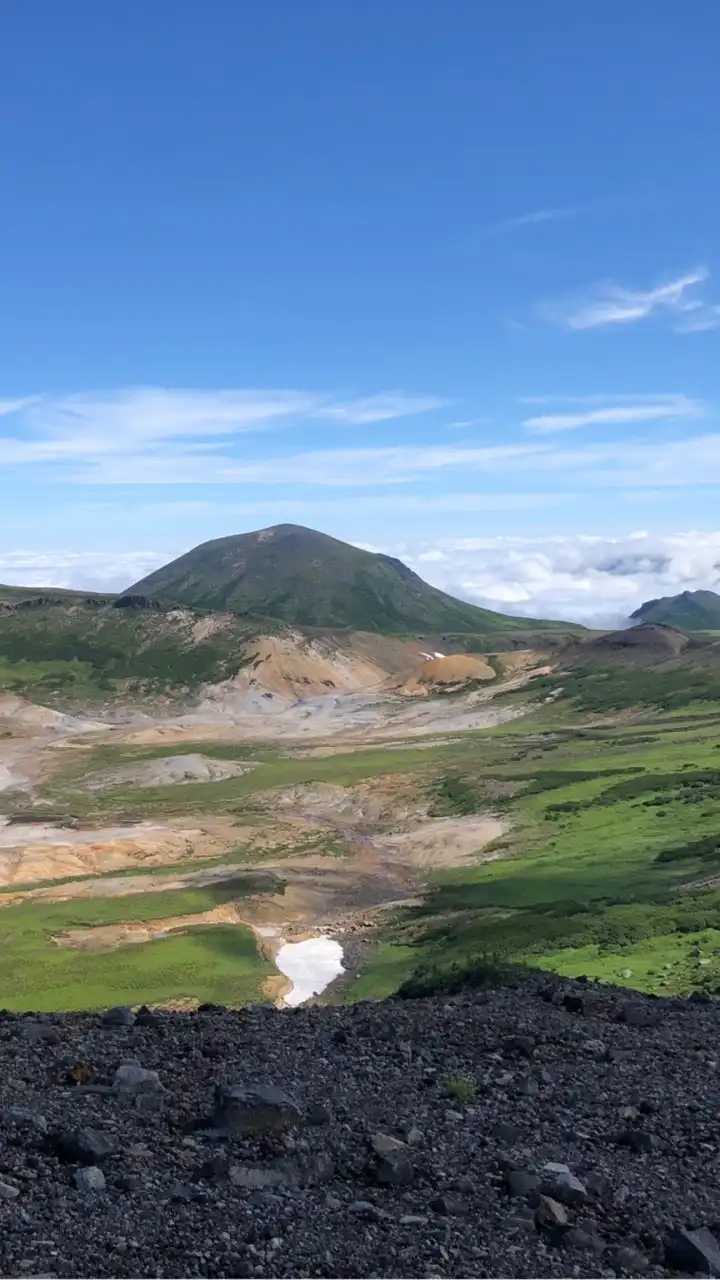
<point>612,868</point>
<point>213,962</point>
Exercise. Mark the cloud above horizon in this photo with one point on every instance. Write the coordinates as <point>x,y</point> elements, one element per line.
<point>595,580</point>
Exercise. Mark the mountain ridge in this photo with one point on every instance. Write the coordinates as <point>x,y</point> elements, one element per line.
<point>688,611</point>
<point>302,577</point>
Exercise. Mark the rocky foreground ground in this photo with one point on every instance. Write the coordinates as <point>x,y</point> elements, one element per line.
<point>548,1129</point>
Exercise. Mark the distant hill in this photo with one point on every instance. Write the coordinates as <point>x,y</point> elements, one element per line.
<point>645,644</point>
<point>304,578</point>
<point>690,611</point>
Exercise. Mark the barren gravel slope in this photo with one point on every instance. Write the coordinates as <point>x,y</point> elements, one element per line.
<point>372,1166</point>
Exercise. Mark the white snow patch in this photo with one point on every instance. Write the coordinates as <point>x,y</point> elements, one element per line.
<point>311,966</point>
<point>438,655</point>
<point>425,655</point>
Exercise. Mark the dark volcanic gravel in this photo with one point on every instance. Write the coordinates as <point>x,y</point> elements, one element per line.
<point>550,1129</point>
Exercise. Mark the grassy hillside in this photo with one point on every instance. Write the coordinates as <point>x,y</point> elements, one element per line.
<point>644,667</point>
<point>612,868</point>
<point>690,611</point>
<point>89,652</point>
<point>305,578</point>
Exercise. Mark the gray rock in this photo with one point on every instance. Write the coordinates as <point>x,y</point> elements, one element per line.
<point>549,1213</point>
<point>365,1209</point>
<point>40,1033</point>
<point>521,1183</point>
<point>394,1169</point>
<point>8,1192</point>
<point>634,1014</point>
<point>241,1108</point>
<point>638,1140</point>
<point>597,1048</point>
<point>629,1260</point>
<point>578,1238</point>
<point>256,1177</point>
<point>693,1252</point>
<point>81,1146</point>
<point>25,1118</point>
<point>383,1144</point>
<point>89,1179</point>
<point>148,1104</point>
<point>447,1206</point>
<point>120,1016</point>
<point>130,1077</point>
<point>507,1133</point>
<point>520,1046</point>
<point>559,1183</point>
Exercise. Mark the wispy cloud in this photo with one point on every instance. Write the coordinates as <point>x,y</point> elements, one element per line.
<point>380,408</point>
<point>654,409</point>
<point>13,406</point>
<point>535,218</point>
<point>680,301</point>
<point>141,419</point>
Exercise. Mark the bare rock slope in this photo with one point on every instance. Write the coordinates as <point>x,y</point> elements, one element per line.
<point>545,1129</point>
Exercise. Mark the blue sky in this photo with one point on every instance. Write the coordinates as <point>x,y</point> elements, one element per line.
<point>438,278</point>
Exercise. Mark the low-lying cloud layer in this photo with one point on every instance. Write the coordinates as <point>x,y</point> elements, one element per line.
<point>593,580</point>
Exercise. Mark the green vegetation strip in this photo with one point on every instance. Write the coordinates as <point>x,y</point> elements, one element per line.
<point>215,962</point>
<point>599,875</point>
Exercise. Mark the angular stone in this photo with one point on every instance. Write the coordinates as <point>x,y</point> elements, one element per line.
<point>638,1140</point>
<point>693,1252</point>
<point>394,1169</point>
<point>8,1192</point>
<point>81,1146</point>
<point>559,1183</point>
<point>549,1213</point>
<point>25,1118</point>
<point>120,1016</point>
<point>256,1177</point>
<point>447,1206</point>
<point>577,1238</point>
<point>89,1179</point>
<point>383,1144</point>
<point>365,1209</point>
<point>634,1014</point>
<point>241,1108</point>
<point>130,1077</point>
<point>40,1032</point>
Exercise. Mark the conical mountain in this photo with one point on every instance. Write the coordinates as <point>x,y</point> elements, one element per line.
<point>304,578</point>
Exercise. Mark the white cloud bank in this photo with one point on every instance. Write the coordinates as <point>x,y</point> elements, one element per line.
<point>586,579</point>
